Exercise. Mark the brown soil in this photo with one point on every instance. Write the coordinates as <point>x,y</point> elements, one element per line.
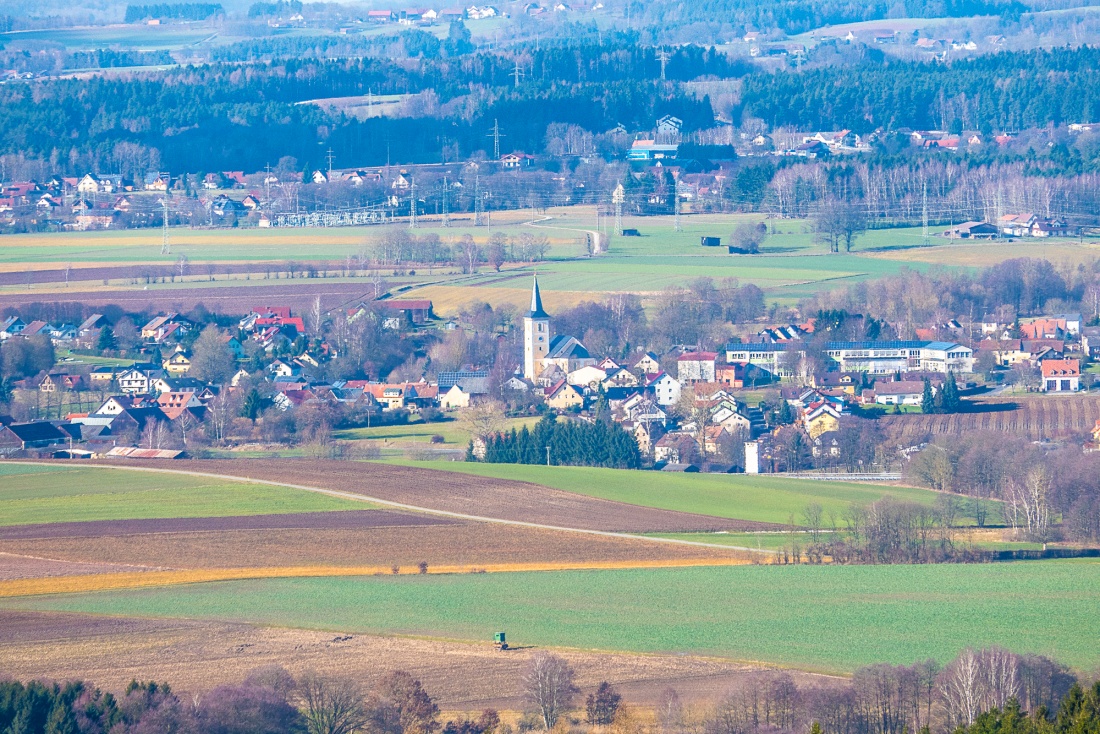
<point>1032,417</point>
<point>452,544</point>
<point>477,496</point>
<point>29,566</point>
<point>349,519</point>
<point>234,301</point>
<point>197,656</point>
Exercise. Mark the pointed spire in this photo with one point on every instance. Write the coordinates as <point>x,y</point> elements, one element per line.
<point>536,311</point>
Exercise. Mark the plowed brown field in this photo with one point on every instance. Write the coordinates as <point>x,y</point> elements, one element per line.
<point>197,656</point>
<point>451,492</point>
<point>1033,418</point>
<point>470,544</point>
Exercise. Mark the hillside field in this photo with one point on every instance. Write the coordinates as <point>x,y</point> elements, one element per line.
<point>827,618</point>
<point>46,494</point>
<point>760,498</point>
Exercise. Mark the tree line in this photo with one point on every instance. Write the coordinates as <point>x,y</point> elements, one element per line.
<point>563,443</point>
<point>981,691</point>
<point>173,11</point>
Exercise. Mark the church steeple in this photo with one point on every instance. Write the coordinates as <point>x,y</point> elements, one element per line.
<point>536,335</point>
<point>536,311</point>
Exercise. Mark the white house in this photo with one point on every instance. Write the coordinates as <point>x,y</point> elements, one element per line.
<point>666,388</point>
<point>696,366</point>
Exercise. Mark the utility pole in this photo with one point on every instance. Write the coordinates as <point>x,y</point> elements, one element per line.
<point>617,198</point>
<point>517,73</point>
<point>676,209</point>
<point>663,57</point>
<point>924,211</point>
<point>412,206</point>
<point>446,219</point>
<point>165,245</point>
<point>329,156</point>
<point>496,135</point>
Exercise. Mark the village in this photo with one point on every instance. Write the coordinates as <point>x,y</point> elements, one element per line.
<point>201,386</point>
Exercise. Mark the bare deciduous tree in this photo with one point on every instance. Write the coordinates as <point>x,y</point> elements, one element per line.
<point>331,705</point>
<point>549,687</point>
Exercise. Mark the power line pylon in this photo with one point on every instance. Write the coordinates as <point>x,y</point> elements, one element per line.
<point>496,135</point>
<point>663,57</point>
<point>617,198</point>
<point>446,218</point>
<point>412,206</point>
<point>517,73</point>
<point>479,205</point>
<point>165,245</point>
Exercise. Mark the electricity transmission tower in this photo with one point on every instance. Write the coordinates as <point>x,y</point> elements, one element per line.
<point>479,205</point>
<point>617,198</point>
<point>663,57</point>
<point>517,73</point>
<point>496,135</point>
<point>412,206</point>
<point>329,156</point>
<point>165,245</point>
<point>446,219</point>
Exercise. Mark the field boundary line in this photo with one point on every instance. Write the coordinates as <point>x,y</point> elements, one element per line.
<point>83,583</point>
<point>411,508</point>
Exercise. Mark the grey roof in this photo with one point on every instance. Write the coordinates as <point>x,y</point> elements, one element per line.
<point>447,380</point>
<point>566,347</point>
<point>536,311</point>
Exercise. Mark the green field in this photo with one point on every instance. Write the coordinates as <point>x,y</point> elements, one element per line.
<point>832,618</point>
<point>757,498</point>
<point>40,494</point>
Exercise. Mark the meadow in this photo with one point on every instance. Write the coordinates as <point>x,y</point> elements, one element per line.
<point>759,498</point>
<point>45,494</point>
<point>791,266</point>
<point>827,618</point>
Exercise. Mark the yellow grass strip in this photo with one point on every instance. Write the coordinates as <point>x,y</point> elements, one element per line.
<point>135,580</point>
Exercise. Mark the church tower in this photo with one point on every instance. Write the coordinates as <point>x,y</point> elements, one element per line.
<point>536,335</point>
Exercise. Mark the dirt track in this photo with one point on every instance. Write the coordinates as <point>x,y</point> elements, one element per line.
<point>474,544</point>
<point>458,493</point>
<point>197,656</point>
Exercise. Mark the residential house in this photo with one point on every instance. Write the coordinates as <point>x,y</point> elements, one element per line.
<point>138,380</point>
<point>666,388</point>
<point>101,378</point>
<point>10,327</point>
<point>563,396</point>
<point>676,448</point>
<point>512,161</point>
<point>696,367</point>
<point>55,382</point>
<point>587,376</point>
<point>821,417</point>
<point>620,377</point>
<point>1061,375</point>
<point>647,364</point>
<point>567,353</point>
<point>178,363</point>
<point>902,392</point>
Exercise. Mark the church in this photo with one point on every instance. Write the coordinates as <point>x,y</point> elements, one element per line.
<point>546,355</point>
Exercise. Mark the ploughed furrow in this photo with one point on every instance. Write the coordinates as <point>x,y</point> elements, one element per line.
<point>450,492</point>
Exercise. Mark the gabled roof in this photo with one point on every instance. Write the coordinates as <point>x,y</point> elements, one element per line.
<point>566,347</point>
<point>39,431</point>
